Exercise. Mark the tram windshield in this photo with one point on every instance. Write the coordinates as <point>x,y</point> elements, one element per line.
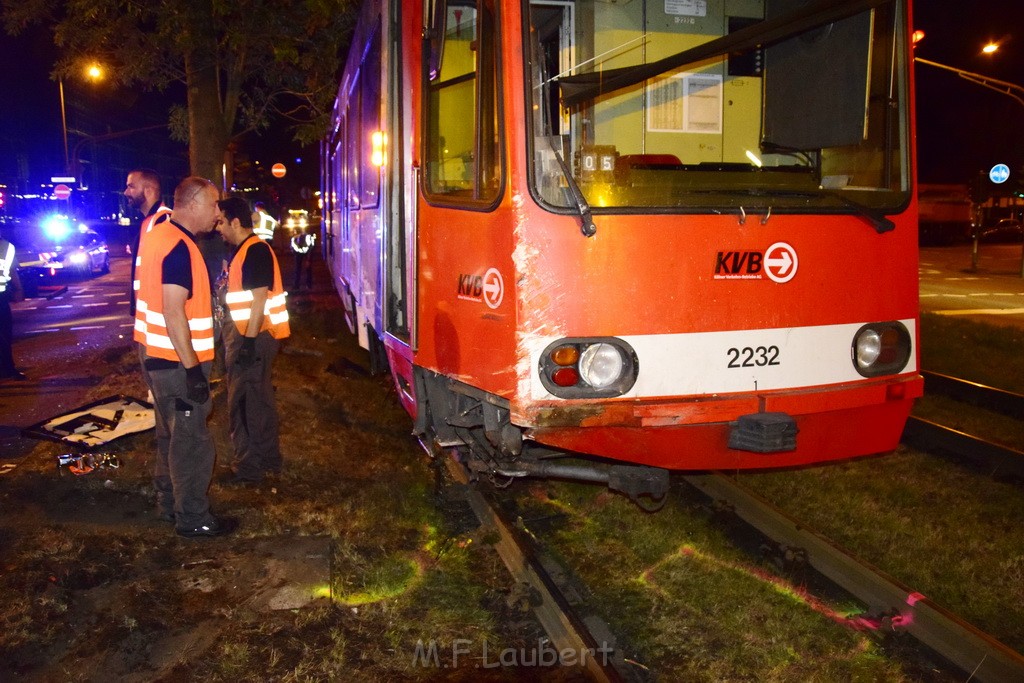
<point>793,106</point>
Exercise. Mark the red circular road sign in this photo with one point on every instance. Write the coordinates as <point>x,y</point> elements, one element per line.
<point>62,192</point>
<point>278,170</point>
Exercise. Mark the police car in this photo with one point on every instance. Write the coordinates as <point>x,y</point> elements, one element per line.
<point>60,248</point>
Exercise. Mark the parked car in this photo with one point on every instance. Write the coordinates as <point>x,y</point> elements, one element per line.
<point>1006,230</point>
<point>59,249</point>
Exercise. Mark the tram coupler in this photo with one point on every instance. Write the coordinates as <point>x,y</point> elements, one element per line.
<point>639,481</point>
<point>634,481</point>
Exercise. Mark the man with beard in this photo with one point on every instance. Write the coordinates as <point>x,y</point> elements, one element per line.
<point>142,190</point>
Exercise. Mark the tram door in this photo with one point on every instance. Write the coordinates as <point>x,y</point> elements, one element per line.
<point>399,188</point>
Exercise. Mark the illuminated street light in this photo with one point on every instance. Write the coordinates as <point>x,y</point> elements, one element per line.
<point>990,48</point>
<point>93,72</point>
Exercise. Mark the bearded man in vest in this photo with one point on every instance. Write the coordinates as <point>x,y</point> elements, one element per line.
<point>174,324</point>
<point>255,324</point>
<point>142,190</point>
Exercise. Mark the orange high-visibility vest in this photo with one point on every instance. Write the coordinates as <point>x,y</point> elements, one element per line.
<point>239,300</point>
<point>147,224</point>
<point>150,325</point>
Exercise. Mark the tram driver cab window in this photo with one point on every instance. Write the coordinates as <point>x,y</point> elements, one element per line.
<point>461,156</point>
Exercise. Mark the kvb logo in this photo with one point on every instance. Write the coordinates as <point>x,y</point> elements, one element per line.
<point>778,262</point>
<point>488,288</point>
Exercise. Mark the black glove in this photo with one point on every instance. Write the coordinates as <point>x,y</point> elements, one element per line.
<point>197,389</point>
<point>247,354</point>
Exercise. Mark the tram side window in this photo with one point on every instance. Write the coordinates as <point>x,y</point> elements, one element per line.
<point>352,117</point>
<point>462,156</point>
<point>369,75</point>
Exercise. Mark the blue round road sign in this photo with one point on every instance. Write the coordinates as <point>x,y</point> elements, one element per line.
<point>1000,173</point>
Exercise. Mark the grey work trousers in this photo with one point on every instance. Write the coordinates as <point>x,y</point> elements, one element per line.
<point>252,410</point>
<point>185,449</point>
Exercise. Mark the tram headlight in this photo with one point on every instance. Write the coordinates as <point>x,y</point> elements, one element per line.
<point>581,367</point>
<point>601,365</point>
<point>881,349</point>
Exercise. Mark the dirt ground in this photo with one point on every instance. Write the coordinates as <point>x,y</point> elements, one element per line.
<point>343,566</point>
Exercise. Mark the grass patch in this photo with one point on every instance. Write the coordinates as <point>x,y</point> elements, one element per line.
<point>99,589</point>
<point>969,350</point>
<point>944,531</point>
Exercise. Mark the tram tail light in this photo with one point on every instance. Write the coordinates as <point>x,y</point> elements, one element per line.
<point>881,349</point>
<point>581,368</point>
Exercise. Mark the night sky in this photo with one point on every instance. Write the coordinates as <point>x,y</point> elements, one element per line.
<point>962,127</point>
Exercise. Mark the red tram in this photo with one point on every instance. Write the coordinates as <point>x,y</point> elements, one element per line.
<point>674,234</point>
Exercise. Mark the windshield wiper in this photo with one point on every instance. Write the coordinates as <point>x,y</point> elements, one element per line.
<point>879,221</point>
<point>587,225</point>
<point>584,87</point>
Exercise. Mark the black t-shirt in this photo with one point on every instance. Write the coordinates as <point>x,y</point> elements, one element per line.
<point>177,265</point>
<point>258,267</point>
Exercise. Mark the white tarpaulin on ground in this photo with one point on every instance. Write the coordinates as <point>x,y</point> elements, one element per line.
<point>97,423</point>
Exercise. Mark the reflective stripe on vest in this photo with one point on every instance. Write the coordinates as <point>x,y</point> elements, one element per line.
<point>239,300</point>
<point>150,324</point>
<point>147,224</point>
<point>265,230</point>
<point>301,244</point>
<point>6,268</point>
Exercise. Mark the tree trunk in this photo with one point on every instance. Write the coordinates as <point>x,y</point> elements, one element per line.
<point>208,136</point>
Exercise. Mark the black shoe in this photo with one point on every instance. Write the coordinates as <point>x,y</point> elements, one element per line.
<point>220,526</point>
<point>20,376</point>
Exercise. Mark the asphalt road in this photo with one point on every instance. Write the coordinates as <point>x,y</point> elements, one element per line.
<point>62,339</point>
<point>991,292</point>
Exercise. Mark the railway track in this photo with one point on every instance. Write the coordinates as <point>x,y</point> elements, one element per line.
<point>587,642</point>
<point>993,458</point>
<point>901,609</point>
<point>894,607</point>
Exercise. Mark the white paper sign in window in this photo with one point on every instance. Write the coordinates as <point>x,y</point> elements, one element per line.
<point>687,8</point>
<point>703,100</point>
<point>685,103</point>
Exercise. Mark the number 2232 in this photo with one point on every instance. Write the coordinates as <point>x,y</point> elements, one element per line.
<point>748,357</point>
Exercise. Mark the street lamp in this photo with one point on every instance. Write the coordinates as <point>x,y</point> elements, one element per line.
<point>93,72</point>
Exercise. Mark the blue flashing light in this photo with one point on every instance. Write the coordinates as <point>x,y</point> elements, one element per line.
<point>57,227</point>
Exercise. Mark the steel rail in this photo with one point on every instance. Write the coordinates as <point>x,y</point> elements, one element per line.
<point>990,398</point>
<point>980,655</point>
<point>996,460</point>
<point>566,629</point>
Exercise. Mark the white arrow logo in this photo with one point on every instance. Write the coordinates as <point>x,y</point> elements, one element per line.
<point>494,288</point>
<point>780,262</point>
